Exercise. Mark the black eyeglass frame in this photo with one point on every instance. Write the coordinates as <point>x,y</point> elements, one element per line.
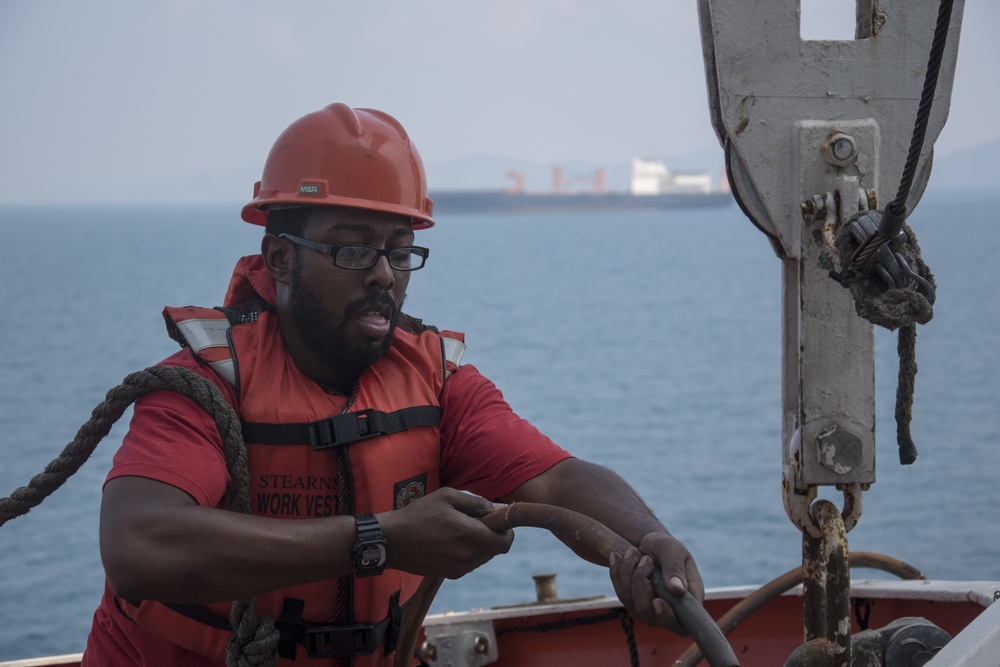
<point>333,250</point>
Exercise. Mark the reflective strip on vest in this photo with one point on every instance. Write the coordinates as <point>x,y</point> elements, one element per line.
<point>202,334</point>
<point>453,351</point>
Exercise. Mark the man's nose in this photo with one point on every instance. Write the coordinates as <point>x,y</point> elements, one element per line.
<point>381,274</point>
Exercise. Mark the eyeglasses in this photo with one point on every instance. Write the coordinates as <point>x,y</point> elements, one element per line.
<point>360,257</point>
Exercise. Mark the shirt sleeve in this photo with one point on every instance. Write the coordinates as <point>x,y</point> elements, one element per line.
<point>172,440</point>
<point>486,448</point>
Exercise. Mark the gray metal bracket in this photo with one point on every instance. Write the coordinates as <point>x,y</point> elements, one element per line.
<point>763,79</point>
<point>469,644</point>
<point>823,126</point>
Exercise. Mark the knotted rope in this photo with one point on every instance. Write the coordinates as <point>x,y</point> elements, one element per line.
<point>901,308</point>
<point>899,297</point>
<point>255,639</point>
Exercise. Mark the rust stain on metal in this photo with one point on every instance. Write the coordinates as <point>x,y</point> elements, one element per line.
<point>872,197</point>
<point>830,237</point>
<point>878,19</point>
<point>744,110</point>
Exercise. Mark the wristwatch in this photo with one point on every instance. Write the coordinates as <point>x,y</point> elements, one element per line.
<point>371,550</point>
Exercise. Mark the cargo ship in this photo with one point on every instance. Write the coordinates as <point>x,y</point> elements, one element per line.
<point>652,186</point>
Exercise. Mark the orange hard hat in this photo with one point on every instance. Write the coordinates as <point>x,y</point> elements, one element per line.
<point>339,156</point>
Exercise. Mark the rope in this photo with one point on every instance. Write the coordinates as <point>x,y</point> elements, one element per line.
<point>894,307</point>
<point>564,624</point>
<point>254,642</point>
<point>895,213</point>
<point>255,639</point>
<point>898,205</point>
<point>633,649</point>
<point>900,308</point>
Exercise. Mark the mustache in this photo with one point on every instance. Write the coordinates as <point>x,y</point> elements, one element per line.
<point>379,300</point>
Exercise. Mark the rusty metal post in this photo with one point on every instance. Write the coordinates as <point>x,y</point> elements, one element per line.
<point>826,586</point>
<point>838,583</point>
<point>813,587</point>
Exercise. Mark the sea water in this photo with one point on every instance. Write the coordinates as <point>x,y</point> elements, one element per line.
<point>648,342</point>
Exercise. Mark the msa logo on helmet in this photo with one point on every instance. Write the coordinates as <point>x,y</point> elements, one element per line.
<point>317,188</point>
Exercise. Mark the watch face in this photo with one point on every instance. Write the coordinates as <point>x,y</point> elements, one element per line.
<point>372,555</point>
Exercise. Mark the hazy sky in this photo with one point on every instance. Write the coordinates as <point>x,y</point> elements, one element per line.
<point>119,100</point>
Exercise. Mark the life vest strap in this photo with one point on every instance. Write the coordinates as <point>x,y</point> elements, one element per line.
<point>343,429</point>
<point>336,641</point>
<point>321,640</point>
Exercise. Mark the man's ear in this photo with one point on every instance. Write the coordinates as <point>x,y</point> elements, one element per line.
<point>277,254</point>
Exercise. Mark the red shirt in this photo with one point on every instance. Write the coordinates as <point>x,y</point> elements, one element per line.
<point>486,449</point>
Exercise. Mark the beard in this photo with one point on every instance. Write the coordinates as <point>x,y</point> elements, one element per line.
<point>327,335</point>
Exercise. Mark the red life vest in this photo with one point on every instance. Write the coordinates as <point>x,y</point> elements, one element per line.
<point>294,434</point>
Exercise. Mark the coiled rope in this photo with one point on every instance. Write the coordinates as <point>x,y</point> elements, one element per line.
<point>254,642</point>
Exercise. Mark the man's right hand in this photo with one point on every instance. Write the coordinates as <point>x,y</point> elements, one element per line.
<point>442,535</point>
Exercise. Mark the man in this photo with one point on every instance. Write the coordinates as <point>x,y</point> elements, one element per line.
<point>359,423</point>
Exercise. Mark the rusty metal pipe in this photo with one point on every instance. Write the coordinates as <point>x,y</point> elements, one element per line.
<point>583,535</point>
<point>838,582</point>
<point>813,587</point>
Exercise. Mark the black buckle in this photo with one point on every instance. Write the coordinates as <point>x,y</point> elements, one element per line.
<point>340,641</point>
<point>339,430</point>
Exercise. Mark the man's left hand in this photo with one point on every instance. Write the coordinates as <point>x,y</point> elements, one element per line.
<point>631,574</point>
